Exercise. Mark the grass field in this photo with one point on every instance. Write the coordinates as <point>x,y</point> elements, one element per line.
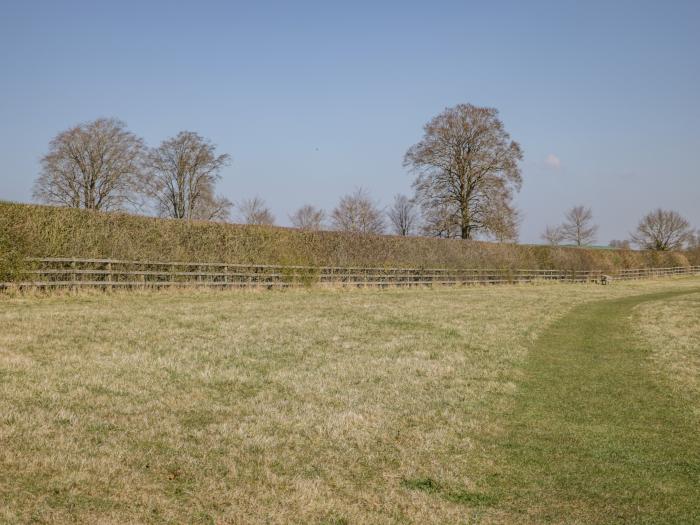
<point>513,404</point>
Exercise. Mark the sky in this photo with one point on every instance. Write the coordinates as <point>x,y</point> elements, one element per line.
<point>315,99</point>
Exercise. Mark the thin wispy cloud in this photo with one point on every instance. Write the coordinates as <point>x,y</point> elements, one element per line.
<point>552,161</point>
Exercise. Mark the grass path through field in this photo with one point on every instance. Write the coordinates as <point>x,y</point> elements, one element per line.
<point>594,436</point>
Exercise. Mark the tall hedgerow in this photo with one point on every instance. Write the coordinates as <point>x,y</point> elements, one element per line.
<point>46,231</point>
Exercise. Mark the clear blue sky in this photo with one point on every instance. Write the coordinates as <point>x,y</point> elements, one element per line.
<point>313,99</point>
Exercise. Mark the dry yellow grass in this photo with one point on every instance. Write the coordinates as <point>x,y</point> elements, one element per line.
<point>303,406</point>
<point>672,329</point>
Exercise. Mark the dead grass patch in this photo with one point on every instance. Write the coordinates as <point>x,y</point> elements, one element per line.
<point>672,328</point>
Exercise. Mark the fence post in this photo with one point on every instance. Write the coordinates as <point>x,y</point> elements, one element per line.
<point>109,275</point>
<point>74,276</point>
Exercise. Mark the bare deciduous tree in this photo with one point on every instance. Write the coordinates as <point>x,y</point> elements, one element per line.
<point>553,235</point>
<point>358,213</point>
<point>254,211</point>
<point>662,230</point>
<point>308,218</point>
<point>93,165</point>
<point>402,215</point>
<point>181,177</point>
<point>578,227</point>
<point>466,166</point>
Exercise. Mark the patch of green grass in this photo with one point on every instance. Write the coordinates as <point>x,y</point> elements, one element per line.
<point>424,484</point>
<point>593,437</point>
<point>466,497</point>
<point>461,496</point>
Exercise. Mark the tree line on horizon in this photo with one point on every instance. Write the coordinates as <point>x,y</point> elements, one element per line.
<point>658,230</point>
<point>466,173</point>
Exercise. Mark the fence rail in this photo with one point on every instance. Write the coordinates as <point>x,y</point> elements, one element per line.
<point>110,273</point>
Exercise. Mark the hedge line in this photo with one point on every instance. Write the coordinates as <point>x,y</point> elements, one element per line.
<point>46,231</point>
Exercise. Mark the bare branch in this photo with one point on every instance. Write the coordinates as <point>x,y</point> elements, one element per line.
<point>254,211</point>
<point>308,218</point>
<point>553,235</point>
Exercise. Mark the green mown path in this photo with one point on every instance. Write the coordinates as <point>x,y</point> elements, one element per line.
<point>595,436</point>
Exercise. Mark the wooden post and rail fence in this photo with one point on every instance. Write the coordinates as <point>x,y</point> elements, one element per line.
<point>111,273</point>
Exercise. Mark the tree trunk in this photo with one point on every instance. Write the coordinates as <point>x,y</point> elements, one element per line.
<point>466,226</point>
